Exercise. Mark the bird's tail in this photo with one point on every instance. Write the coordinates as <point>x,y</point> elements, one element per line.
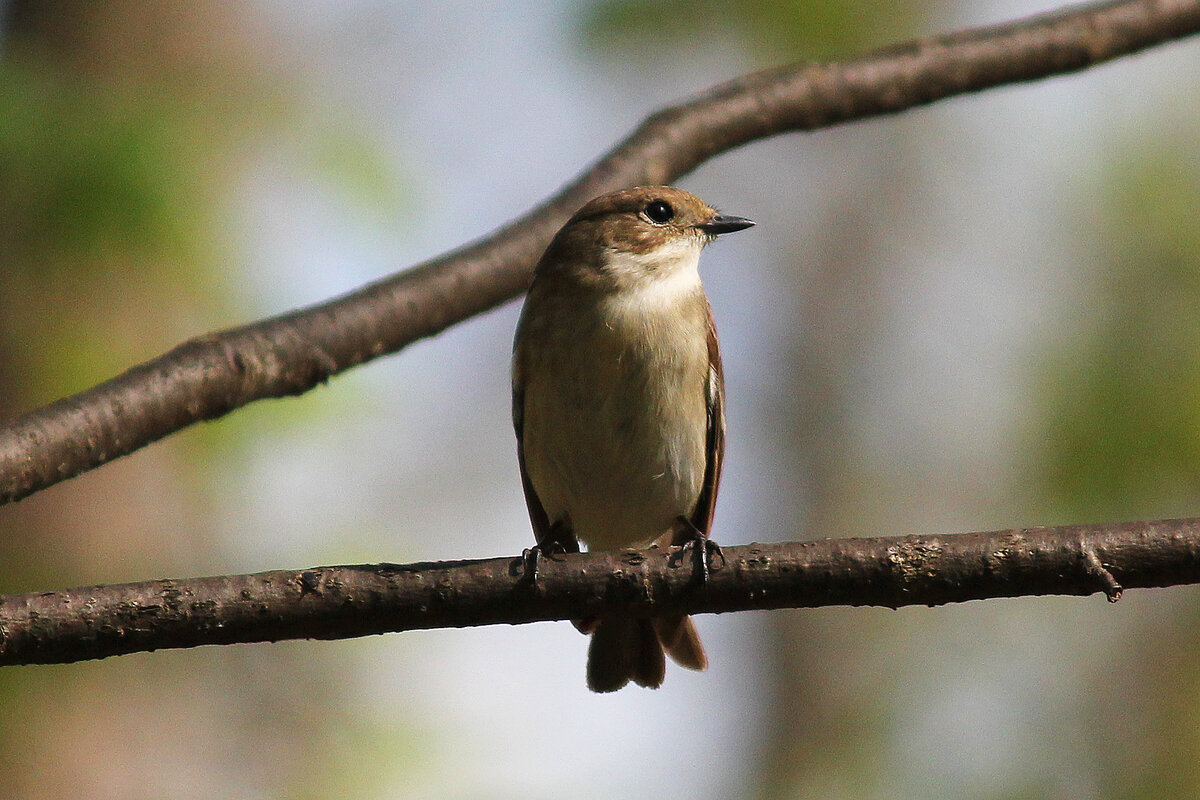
<point>627,649</point>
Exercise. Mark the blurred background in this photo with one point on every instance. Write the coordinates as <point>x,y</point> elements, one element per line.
<point>972,316</point>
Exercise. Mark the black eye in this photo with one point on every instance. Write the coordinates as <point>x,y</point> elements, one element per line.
<point>659,211</point>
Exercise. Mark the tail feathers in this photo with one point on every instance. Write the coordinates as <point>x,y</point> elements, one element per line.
<point>681,641</point>
<point>631,648</point>
<point>624,649</point>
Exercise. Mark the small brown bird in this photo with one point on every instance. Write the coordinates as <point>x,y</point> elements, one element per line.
<point>618,402</point>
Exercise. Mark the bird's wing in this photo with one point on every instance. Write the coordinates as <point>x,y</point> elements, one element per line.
<point>715,443</point>
<point>537,514</point>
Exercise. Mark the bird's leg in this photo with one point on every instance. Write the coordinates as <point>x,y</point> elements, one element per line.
<point>685,535</point>
<point>558,540</point>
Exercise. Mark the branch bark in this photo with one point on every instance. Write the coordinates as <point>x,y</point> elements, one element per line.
<point>349,601</point>
<point>212,375</point>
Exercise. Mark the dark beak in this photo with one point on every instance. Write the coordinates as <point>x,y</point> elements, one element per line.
<point>723,223</point>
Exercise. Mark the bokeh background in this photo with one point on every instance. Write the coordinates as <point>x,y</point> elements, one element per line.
<point>978,315</point>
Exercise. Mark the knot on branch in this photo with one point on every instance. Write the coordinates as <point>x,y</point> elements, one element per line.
<point>1095,569</point>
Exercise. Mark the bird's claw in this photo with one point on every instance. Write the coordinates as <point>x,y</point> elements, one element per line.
<point>532,557</point>
<point>687,536</point>
<point>559,541</point>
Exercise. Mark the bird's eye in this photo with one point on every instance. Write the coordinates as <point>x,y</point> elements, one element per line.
<point>659,211</point>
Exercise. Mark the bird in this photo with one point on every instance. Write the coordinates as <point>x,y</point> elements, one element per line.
<point>619,404</point>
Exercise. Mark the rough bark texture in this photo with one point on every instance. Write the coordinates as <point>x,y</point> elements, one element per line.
<point>348,601</point>
<point>212,375</point>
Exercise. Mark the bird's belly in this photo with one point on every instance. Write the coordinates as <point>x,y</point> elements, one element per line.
<point>618,448</point>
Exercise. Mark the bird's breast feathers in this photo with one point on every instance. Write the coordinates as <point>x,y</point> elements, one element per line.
<point>615,441</point>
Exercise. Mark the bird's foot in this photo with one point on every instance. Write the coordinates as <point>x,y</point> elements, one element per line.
<point>532,557</point>
<point>559,541</point>
<point>686,536</point>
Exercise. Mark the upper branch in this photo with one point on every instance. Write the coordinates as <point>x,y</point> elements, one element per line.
<point>209,376</point>
<point>344,602</point>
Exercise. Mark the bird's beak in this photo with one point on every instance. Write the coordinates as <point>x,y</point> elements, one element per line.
<point>724,223</point>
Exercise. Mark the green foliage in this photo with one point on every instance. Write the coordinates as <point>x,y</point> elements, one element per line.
<point>770,29</point>
<point>87,172</point>
<point>105,200</point>
<point>1122,438</point>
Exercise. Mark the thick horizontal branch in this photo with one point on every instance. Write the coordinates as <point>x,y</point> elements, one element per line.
<point>210,376</point>
<point>350,601</point>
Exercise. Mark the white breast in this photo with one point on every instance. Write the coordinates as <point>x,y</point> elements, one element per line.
<point>660,278</point>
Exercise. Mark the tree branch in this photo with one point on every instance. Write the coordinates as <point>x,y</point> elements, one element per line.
<point>350,601</point>
<point>212,375</point>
